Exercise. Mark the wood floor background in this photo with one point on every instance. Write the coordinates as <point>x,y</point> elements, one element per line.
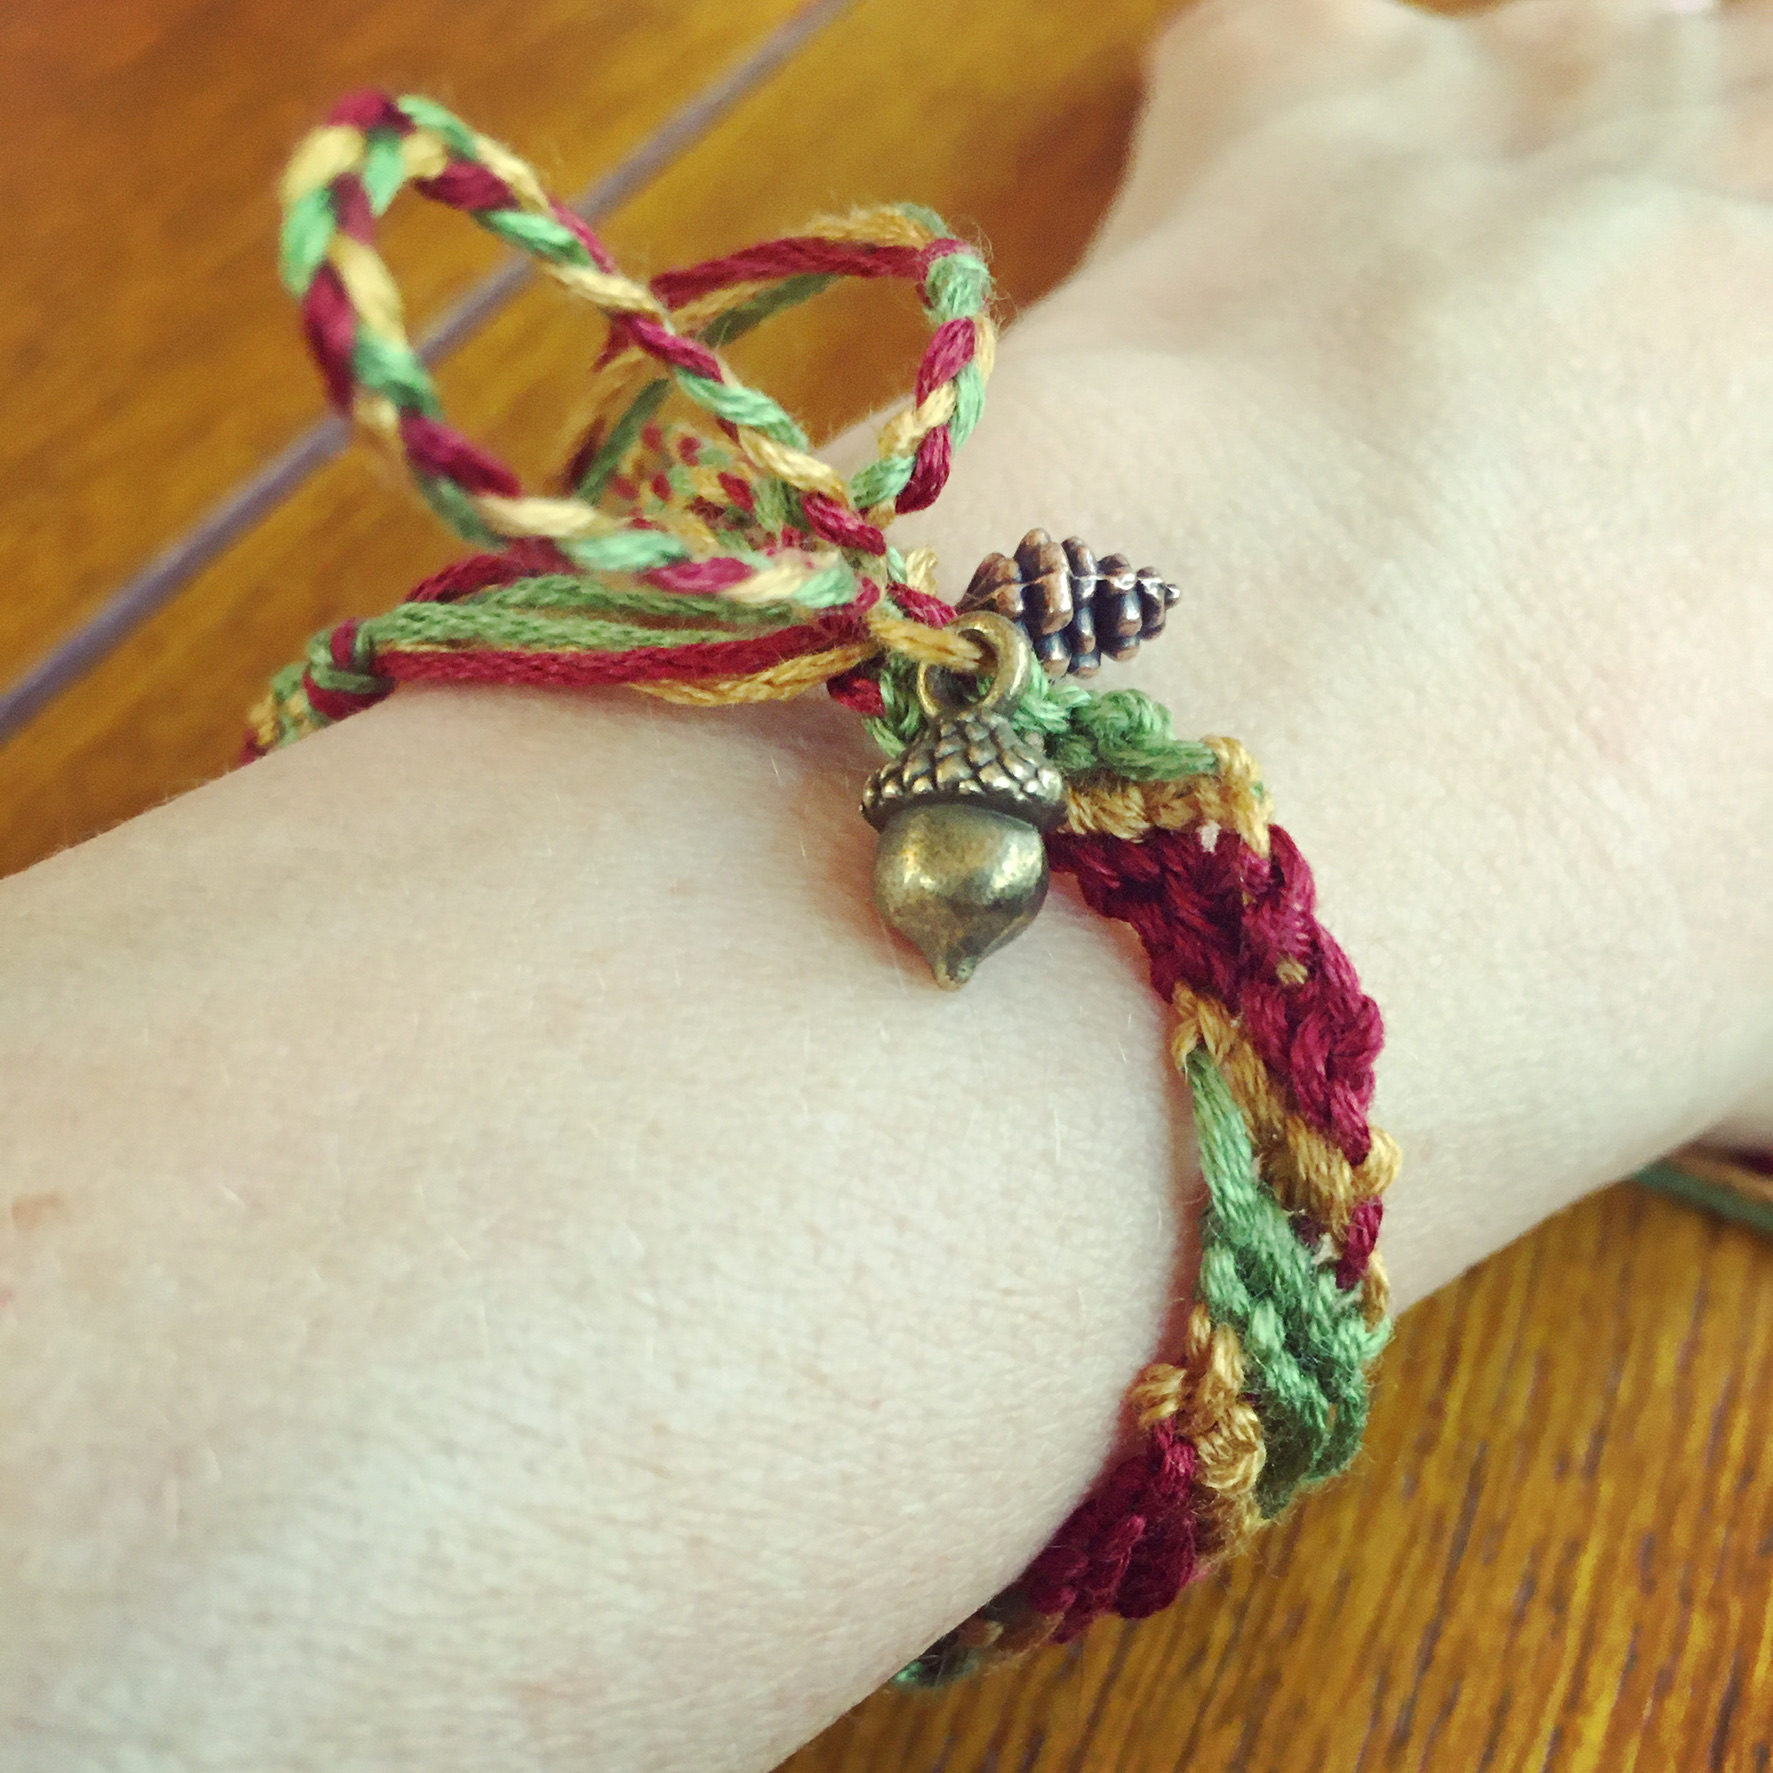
<point>1557,1552</point>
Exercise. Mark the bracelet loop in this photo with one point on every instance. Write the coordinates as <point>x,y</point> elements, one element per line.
<point>346,174</point>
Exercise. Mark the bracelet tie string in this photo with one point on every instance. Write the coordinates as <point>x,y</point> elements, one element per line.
<point>706,554</point>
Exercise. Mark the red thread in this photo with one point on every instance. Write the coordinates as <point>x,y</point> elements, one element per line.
<point>668,347</point>
<point>529,558</point>
<point>466,184</point>
<point>921,606</point>
<point>793,256</point>
<point>331,326</point>
<point>1360,1242</point>
<point>857,691</point>
<point>837,523</point>
<point>949,351</point>
<point>1129,1547</point>
<point>703,576</point>
<point>581,231</point>
<point>350,207</point>
<point>1220,921</point>
<point>1322,1034</point>
<point>370,109</point>
<point>929,471</point>
<point>437,449</point>
<point>653,664</point>
<point>939,249</point>
<point>342,644</point>
<point>335,704</point>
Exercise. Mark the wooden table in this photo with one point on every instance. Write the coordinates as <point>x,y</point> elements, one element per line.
<point>1557,1551</point>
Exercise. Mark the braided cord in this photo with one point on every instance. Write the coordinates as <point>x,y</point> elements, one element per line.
<point>724,501</point>
<point>1276,1043</point>
<point>703,554</point>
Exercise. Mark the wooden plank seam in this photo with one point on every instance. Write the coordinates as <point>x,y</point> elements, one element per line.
<point>169,571</point>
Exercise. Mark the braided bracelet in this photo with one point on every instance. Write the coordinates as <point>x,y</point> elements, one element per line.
<point>700,552</point>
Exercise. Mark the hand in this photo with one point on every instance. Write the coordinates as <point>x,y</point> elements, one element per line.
<point>1434,358</point>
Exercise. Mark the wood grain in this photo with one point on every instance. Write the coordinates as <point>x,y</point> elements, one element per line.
<point>151,356</point>
<point>1556,1554</point>
<point>959,132</point>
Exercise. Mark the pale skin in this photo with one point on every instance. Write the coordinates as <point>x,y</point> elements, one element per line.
<point>510,1267</point>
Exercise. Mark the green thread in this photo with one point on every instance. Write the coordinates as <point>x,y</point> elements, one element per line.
<point>740,405</point>
<point>384,169</point>
<point>969,403</point>
<point>1306,1343</point>
<point>539,235</point>
<point>457,510</point>
<point>882,479</point>
<point>789,293</point>
<point>523,630</point>
<point>1119,732</point>
<point>428,114</point>
<point>624,550</point>
<point>1713,1197</point>
<point>563,592</point>
<point>958,286</point>
<point>309,224</point>
<point>622,437</point>
<point>385,367</point>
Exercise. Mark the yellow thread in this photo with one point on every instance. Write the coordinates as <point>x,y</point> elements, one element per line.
<point>1203,1392</point>
<point>877,225</point>
<point>1306,1169</point>
<point>1375,1292</point>
<point>920,570</point>
<point>1232,798</point>
<point>558,519</point>
<point>321,156</point>
<point>795,466</point>
<point>608,291</point>
<point>424,154</point>
<point>261,722</point>
<point>369,286</point>
<point>778,583</point>
<point>984,345</point>
<point>925,645</point>
<point>380,417</point>
<point>516,173</point>
<point>907,428</point>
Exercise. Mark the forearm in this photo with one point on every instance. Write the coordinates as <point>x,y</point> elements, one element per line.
<point>507,1253</point>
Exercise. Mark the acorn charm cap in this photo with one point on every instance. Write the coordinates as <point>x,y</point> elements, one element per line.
<point>961,867</point>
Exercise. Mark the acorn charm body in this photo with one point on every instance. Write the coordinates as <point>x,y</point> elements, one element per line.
<point>961,865</point>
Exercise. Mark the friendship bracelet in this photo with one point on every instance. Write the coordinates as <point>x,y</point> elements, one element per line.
<point>698,550</point>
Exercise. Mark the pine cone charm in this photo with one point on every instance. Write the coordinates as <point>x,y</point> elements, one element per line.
<point>1072,606</point>
<point>961,867</point>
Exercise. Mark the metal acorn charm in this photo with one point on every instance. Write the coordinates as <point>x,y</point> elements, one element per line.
<point>960,868</point>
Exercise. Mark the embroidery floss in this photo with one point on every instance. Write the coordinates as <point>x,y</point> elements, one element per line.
<point>701,552</point>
